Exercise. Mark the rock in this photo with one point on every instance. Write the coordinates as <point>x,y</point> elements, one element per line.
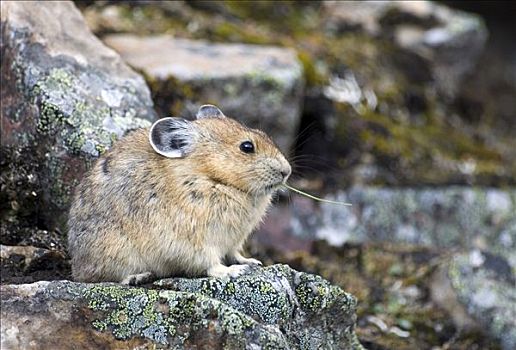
<point>273,307</point>
<point>386,114</point>
<point>65,98</point>
<point>444,296</point>
<point>24,264</point>
<point>452,217</point>
<point>450,41</point>
<point>258,85</point>
<point>480,288</point>
<point>401,68</point>
<point>18,234</point>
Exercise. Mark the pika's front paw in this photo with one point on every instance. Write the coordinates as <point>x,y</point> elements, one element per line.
<point>221,271</point>
<point>250,261</point>
<point>237,257</point>
<point>238,270</point>
<point>141,278</point>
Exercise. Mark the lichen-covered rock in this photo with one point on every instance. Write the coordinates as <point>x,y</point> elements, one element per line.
<point>482,287</point>
<point>271,308</point>
<point>308,310</point>
<point>258,85</point>
<point>455,217</point>
<point>65,98</point>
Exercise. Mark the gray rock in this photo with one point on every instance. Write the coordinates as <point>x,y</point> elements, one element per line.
<point>258,85</point>
<point>452,217</point>
<point>481,287</point>
<point>449,41</point>
<point>273,308</point>
<point>65,98</point>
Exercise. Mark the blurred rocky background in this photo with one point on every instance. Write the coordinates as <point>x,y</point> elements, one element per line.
<point>405,109</point>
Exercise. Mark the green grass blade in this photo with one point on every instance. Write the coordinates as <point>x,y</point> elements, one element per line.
<point>314,197</point>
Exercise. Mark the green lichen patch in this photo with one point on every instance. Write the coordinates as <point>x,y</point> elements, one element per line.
<point>85,123</point>
<point>261,297</point>
<point>306,308</point>
<point>128,312</point>
<point>169,317</point>
<point>50,116</point>
<point>312,292</point>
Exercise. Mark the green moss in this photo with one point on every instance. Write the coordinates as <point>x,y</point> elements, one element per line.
<point>169,95</point>
<point>233,323</point>
<point>99,325</point>
<point>416,142</point>
<point>308,299</point>
<point>281,16</point>
<point>259,78</point>
<point>265,287</point>
<point>227,31</point>
<point>312,76</point>
<point>81,108</point>
<point>78,118</point>
<point>127,312</point>
<point>144,19</point>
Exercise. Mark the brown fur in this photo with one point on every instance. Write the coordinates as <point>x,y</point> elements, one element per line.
<point>137,211</point>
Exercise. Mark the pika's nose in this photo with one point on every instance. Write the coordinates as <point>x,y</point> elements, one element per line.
<point>285,173</point>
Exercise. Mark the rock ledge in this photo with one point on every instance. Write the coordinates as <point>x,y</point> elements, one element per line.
<point>271,307</point>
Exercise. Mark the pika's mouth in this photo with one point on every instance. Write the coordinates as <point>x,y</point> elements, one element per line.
<point>273,187</point>
<point>257,191</point>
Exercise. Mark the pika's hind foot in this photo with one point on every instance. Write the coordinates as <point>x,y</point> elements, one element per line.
<point>221,271</point>
<point>137,279</point>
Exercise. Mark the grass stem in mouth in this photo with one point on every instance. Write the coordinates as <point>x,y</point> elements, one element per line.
<point>314,197</point>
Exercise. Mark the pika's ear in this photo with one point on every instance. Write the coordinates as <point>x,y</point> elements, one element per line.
<point>172,137</point>
<point>209,111</point>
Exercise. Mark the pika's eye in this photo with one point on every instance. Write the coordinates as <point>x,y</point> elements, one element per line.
<point>247,147</point>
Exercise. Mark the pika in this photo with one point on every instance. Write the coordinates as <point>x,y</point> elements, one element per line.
<point>180,198</point>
